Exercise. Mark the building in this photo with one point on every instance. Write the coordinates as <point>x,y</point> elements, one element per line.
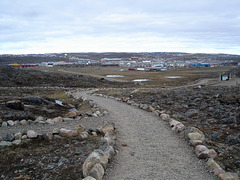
<point>110,61</point>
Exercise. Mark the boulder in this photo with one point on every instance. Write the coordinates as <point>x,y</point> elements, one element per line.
<point>97,171</point>
<point>95,157</point>
<point>15,104</point>
<point>32,134</point>
<point>67,132</point>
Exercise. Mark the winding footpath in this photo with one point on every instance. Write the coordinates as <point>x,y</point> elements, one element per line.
<point>147,147</point>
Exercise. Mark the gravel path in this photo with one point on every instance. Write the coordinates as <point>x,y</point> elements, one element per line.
<point>148,148</point>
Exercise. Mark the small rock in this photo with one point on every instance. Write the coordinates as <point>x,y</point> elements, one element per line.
<point>109,152</point>
<point>8,137</point>
<point>89,113</point>
<point>107,128</point>
<point>17,142</point>
<point>5,144</point>
<point>49,121</point>
<point>4,124</point>
<point>228,176</point>
<point>194,143</point>
<point>15,104</point>
<point>67,119</point>
<point>40,118</point>
<point>231,120</point>
<point>71,114</point>
<point>23,122</point>
<point>196,136</point>
<point>57,119</point>
<point>165,117</point>
<point>67,132</point>
<point>18,136</point>
<point>97,171</point>
<point>89,178</point>
<point>11,123</point>
<point>31,134</point>
<point>55,131</point>
<point>191,113</point>
<point>203,152</point>
<point>95,157</point>
<point>80,128</point>
<point>24,137</point>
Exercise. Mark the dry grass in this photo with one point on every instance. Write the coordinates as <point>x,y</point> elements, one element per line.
<point>156,78</point>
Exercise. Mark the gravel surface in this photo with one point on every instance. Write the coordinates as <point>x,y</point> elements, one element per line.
<point>147,147</point>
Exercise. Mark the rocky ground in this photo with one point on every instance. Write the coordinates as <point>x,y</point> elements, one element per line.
<point>214,110</point>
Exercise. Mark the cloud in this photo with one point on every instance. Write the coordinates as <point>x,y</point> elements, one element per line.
<point>107,25</point>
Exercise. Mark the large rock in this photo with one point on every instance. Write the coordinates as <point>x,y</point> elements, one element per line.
<point>97,171</point>
<point>215,167</point>
<point>15,104</point>
<point>109,152</point>
<point>67,132</point>
<point>89,178</point>
<point>196,136</point>
<point>95,157</point>
<point>193,130</point>
<point>32,134</point>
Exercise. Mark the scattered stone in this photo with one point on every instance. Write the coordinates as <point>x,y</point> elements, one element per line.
<point>80,128</point>
<point>67,132</point>
<point>57,119</point>
<point>11,123</point>
<point>97,171</point>
<point>107,128</point>
<point>191,113</point>
<point>18,136</point>
<point>95,157</point>
<point>8,137</point>
<point>15,104</point>
<point>71,114</point>
<point>165,117</point>
<point>89,178</point>
<point>32,134</point>
<point>67,119</point>
<point>228,176</point>
<point>4,124</point>
<point>231,120</point>
<point>23,122</point>
<point>40,118</point>
<point>17,142</point>
<point>5,144</point>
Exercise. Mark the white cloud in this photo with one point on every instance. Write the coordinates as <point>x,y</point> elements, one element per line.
<point>145,25</point>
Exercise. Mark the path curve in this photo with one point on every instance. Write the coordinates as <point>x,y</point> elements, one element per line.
<point>152,150</point>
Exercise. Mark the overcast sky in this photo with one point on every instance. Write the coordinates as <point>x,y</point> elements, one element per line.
<point>51,26</point>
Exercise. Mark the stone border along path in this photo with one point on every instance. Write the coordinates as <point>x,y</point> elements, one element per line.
<point>195,136</point>
<point>147,149</point>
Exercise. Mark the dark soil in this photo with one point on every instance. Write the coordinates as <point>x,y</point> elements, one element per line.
<point>42,159</point>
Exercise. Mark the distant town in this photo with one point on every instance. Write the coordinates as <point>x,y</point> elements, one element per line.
<point>135,61</point>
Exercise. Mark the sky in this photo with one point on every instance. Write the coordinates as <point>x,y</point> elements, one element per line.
<point>55,26</point>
